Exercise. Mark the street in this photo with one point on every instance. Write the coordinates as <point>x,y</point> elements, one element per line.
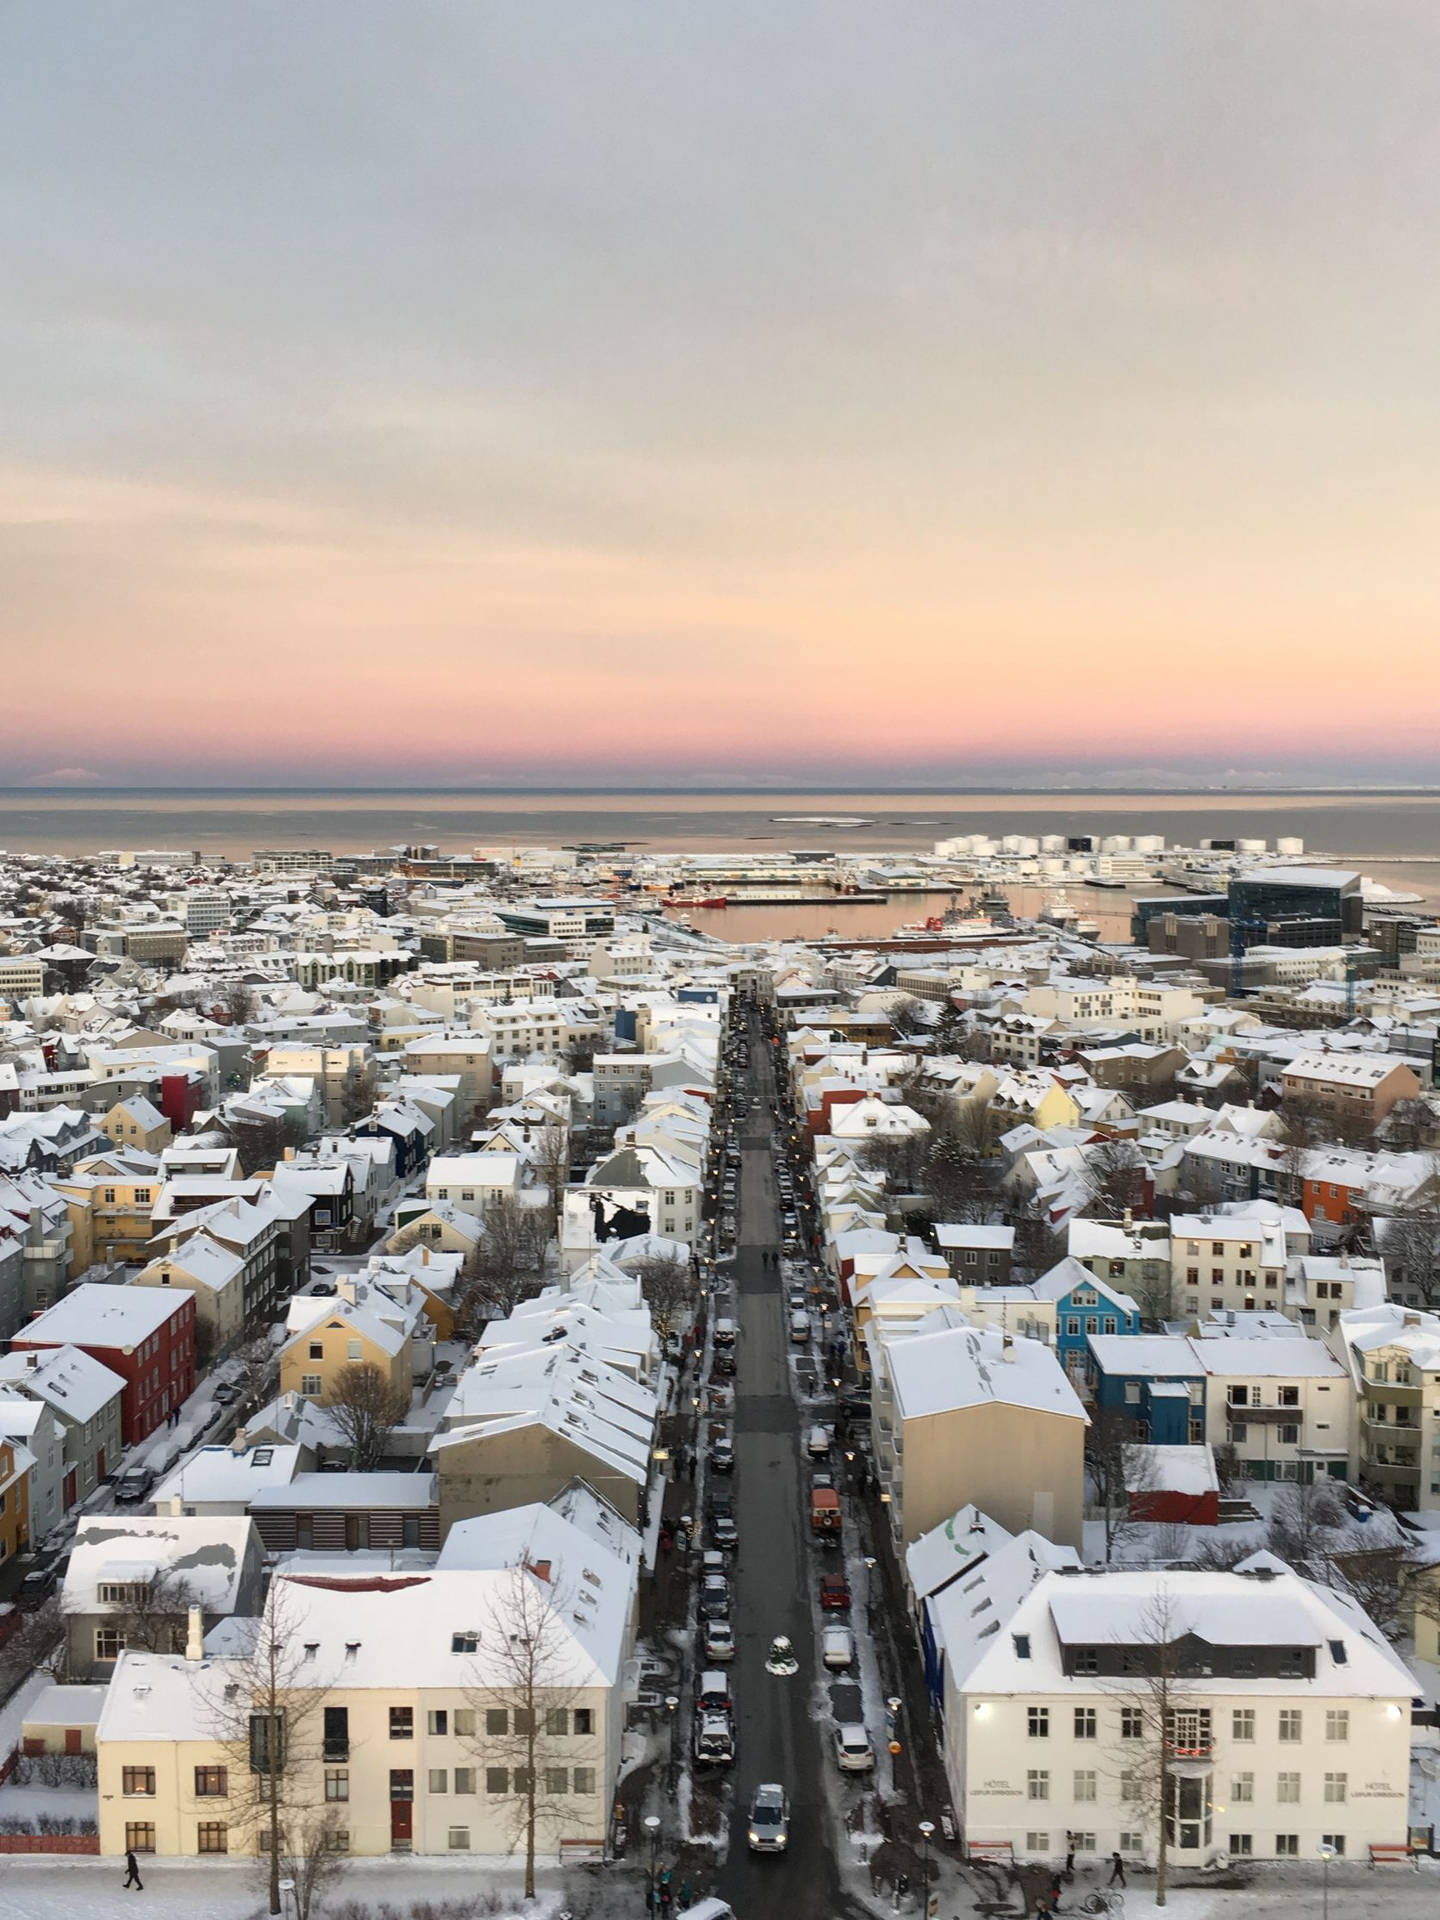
<point>778,1735</point>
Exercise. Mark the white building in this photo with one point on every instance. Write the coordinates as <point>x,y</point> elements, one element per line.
<point>1289,1724</point>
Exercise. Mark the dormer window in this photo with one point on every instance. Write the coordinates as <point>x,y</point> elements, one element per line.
<point>1021,1642</point>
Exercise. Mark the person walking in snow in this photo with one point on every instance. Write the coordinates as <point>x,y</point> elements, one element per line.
<point>1117,1870</point>
<point>132,1872</point>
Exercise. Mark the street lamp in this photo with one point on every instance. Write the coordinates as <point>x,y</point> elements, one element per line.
<point>927,1829</point>
<point>672,1702</point>
<point>1327,1854</point>
<point>652,1827</point>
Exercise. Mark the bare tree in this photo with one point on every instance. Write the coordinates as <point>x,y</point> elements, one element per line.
<point>312,1857</point>
<point>256,1365</point>
<point>238,1004</point>
<point>264,1709</point>
<point>667,1288</point>
<point>1037,1245</point>
<point>1118,1175</point>
<point>153,1615</point>
<point>1164,1725</point>
<point>525,1701</point>
<point>1117,1466</point>
<point>1410,1245</point>
<point>550,1157</point>
<point>906,1017</point>
<point>1303,1525</point>
<point>357,1095</point>
<point>367,1409</point>
<point>499,1271</point>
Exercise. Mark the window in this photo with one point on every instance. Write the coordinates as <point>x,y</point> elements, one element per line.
<point>439,1780</point>
<point>1239,1396</point>
<point>1132,1723</point>
<point>459,1839</point>
<point>1288,1397</point>
<point>1287,1789</point>
<point>1290,1720</point>
<point>464,1780</point>
<point>1132,1840</point>
<point>337,1733</point>
<point>402,1723</point>
<point>1336,1787</point>
<point>1242,1723</point>
<point>497,1780</point>
<point>1037,1843</point>
<point>1084,1723</point>
<point>317,1349</point>
<point>212,1783</point>
<point>466,1642</point>
<point>140,1836</point>
<point>525,1720</point>
<point>582,1720</point>
<point>337,1840</point>
<point>465,1723</point>
<point>437,1720</point>
<point>557,1780</point>
<point>354,1349</point>
<point>1087,1660</point>
<point>267,1742</point>
<point>1242,1788</point>
<point>1287,1846</point>
<point>212,1836</point>
<point>1240,1845</point>
<point>137,1780</point>
<point>1289,1436</point>
<point>1129,1786</point>
<point>109,1643</point>
<point>1109,1323</point>
<point>402,1783</point>
<point>1021,1642</point>
<point>311,1386</point>
<point>1038,1722</point>
<point>1337,1723</point>
<point>1085,1779</point>
<point>337,1783</point>
<point>1335,1842</point>
<point>1037,1784</point>
<point>557,1720</point>
<point>585,1780</point>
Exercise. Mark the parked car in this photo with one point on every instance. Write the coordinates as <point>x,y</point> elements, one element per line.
<point>800,1329</point>
<point>40,1582</point>
<point>713,1740</point>
<point>797,1299</point>
<point>722,1456</point>
<point>725,1364</point>
<point>226,1394</point>
<point>724,1533</point>
<point>837,1648</point>
<point>834,1593</point>
<point>712,1693</point>
<point>856,1401</point>
<point>719,1640</point>
<point>724,1335</point>
<point>715,1597</point>
<point>852,1749</point>
<point>817,1442</point>
<point>769,1830</point>
<point>132,1485</point>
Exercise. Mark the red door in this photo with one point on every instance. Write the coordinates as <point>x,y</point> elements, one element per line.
<point>100,1463</point>
<point>68,1489</point>
<point>72,1740</point>
<point>402,1809</point>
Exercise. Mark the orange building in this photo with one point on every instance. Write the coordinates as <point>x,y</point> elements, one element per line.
<point>15,1469</point>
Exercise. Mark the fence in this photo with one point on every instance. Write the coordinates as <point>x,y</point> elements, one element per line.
<point>49,1843</point>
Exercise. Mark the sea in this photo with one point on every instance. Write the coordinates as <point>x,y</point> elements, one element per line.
<point>1393,837</point>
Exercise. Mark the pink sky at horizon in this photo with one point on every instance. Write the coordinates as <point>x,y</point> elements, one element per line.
<point>743,396</point>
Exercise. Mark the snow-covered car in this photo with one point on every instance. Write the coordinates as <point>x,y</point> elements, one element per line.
<point>719,1640</point>
<point>715,1597</point>
<point>713,1742</point>
<point>837,1648</point>
<point>852,1749</point>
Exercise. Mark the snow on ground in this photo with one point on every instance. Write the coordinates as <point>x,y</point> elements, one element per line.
<point>64,1803</point>
<point>12,1714</point>
<point>38,1889</point>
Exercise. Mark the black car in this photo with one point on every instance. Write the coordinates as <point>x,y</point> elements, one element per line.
<point>722,1529</point>
<point>725,1363</point>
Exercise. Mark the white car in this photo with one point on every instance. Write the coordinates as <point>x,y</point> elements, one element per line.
<point>719,1640</point>
<point>837,1648</point>
<point>853,1752</point>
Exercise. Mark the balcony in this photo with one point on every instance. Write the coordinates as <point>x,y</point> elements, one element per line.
<point>1392,1432</point>
<point>337,1750</point>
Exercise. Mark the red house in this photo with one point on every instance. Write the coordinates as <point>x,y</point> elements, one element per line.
<point>145,1334</point>
<point>1177,1486</point>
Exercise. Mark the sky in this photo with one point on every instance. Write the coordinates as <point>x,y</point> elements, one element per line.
<point>756,393</point>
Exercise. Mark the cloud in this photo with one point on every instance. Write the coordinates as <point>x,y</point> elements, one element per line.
<point>65,777</point>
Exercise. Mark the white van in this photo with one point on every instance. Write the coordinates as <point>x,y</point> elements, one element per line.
<point>800,1329</point>
<point>724,1333</point>
<point>817,1443</point>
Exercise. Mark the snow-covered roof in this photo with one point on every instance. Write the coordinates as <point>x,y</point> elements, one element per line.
<point>206,1552</point>
<point>92,1315</point>
<point>73,1382</point>
<point>975,1366</point>
<point>355,1492</point>
<point>219,1475</point>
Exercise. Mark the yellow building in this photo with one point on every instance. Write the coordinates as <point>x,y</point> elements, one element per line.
<point>137,1122</point>
<point>345,1335</point>
<point>110,1206</point>
<point>16,1466</point>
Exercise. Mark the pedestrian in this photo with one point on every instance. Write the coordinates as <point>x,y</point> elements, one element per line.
<point>684,1895</point>
<point>132,1872</point>
<point>1055,1891</point>
<point>1117,1870</point>
<point>1070,1858</point>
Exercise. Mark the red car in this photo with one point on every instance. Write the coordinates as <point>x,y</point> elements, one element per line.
<point>834,1593</point>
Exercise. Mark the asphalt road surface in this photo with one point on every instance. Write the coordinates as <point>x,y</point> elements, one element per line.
<point>777,1735</point>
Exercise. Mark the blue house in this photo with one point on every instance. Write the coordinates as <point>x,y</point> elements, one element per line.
<point>1084,1305</point>
<point>1155,1380</point>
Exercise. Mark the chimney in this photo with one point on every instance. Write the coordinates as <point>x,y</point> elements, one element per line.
<point>32,1359</point>
<point>1129,1218</point>
<point>239,1442</point>
<point>195,1638</point>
